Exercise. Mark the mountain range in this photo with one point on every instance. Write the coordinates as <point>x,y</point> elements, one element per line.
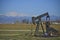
<point>10,19</point>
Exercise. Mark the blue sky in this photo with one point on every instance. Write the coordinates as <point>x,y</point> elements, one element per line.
<point>29,7</point>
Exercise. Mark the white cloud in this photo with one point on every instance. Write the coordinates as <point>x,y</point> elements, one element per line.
<point>15,14</point>
<point>11,14</point>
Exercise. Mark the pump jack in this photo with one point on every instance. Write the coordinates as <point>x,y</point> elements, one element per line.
<point>37,21</point>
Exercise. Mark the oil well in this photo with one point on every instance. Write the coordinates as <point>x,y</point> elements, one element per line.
<point>50,31</point>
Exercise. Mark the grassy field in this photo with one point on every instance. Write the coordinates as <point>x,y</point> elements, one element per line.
<point>22,35</point>
<point>16,26</point>
<point>23,26</point>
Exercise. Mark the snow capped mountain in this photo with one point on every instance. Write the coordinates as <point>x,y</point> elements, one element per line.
<point>13,19</point>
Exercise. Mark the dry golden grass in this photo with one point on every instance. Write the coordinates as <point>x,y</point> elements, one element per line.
<point>24,26</point>
<point>16,26</point>
<point>22,35</point>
